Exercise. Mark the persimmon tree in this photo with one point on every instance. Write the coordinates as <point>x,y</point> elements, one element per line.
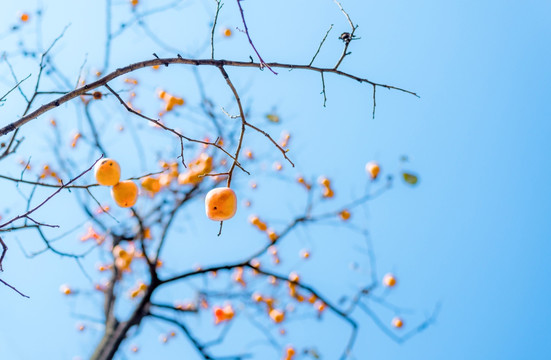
<point>132,157</point>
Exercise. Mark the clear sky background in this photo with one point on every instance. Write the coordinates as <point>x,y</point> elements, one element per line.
<point>472,236</point>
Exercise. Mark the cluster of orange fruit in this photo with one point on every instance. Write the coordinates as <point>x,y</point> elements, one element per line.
<point>92,234</point>
<point>312,299</point>
<point>164,337</point>
<point>326,183</point>
<point>222,314</point>
<point>197,170</point>
<point>275,257</point>
<point>276,315</point>
<point>170,100</point>
<point>301,180</point>
<point>108,173</point>
<point>47,172</point>
<point>192,176</point>
<point>284,141</point>
<point>262,226</point>
<point>238,276</point>
<point>139,290</point>
<point>185,306</point>
<point>123,257</point>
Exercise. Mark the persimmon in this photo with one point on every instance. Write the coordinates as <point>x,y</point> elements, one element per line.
<point>227,32</point>
<point>277,166</point>
<point>277,315</point>
<point>120,252</point>
<point>221,204</point>
<point>253,219</point>
<point>397,322</point>
<point>125,193</point>
<point>289,353</point>
<point>373,169</point>
<point>238,276</point>
<point>344,215</point>
<point>107,172</point>
<point>196,170</point>
<point>328,193</point>
<point>170,100</point>
<point>319,305</point>
<point>222,314</point>
<point>293,277</point>
<point>285,136</point>
<point>92,234</point>
<point>389,280</point>
<point>76,137</point>
<point>324,181</point>
<point>301,180</point>
<point>272,235</point>
<point>24,17</point>
<point>151,184</point>
<point>65,289</point>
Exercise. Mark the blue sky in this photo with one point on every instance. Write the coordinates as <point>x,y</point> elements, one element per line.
<point>473,235</point>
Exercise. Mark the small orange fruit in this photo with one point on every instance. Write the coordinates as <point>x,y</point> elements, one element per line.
<point>344,215</point>
<point>324,181</point>
<point>125,193</point>
<point>221,204</point>
<point>65,289</point>
<point>289,353</point>
<point>373,169</point>
<point>24,17</point>
<point>107,172</point>
<point>151,184</point>
<point>397,322</point>
<point>277,315</point>
<point>389,280</point>
<point>227,32</point>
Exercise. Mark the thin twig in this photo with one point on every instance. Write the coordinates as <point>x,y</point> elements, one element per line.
<point>321,44</point>
<point>50,197</point>
<point>262,63</point>
<point>218,7</point>
<point>348,38</point>
<point>13,288</point>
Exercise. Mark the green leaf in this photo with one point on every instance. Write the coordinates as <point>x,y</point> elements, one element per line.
<point>314,353</point>
<point>410,178</point>
<point>273,118</point>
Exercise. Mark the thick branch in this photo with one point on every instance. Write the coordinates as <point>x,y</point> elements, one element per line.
<point>178,60</point>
